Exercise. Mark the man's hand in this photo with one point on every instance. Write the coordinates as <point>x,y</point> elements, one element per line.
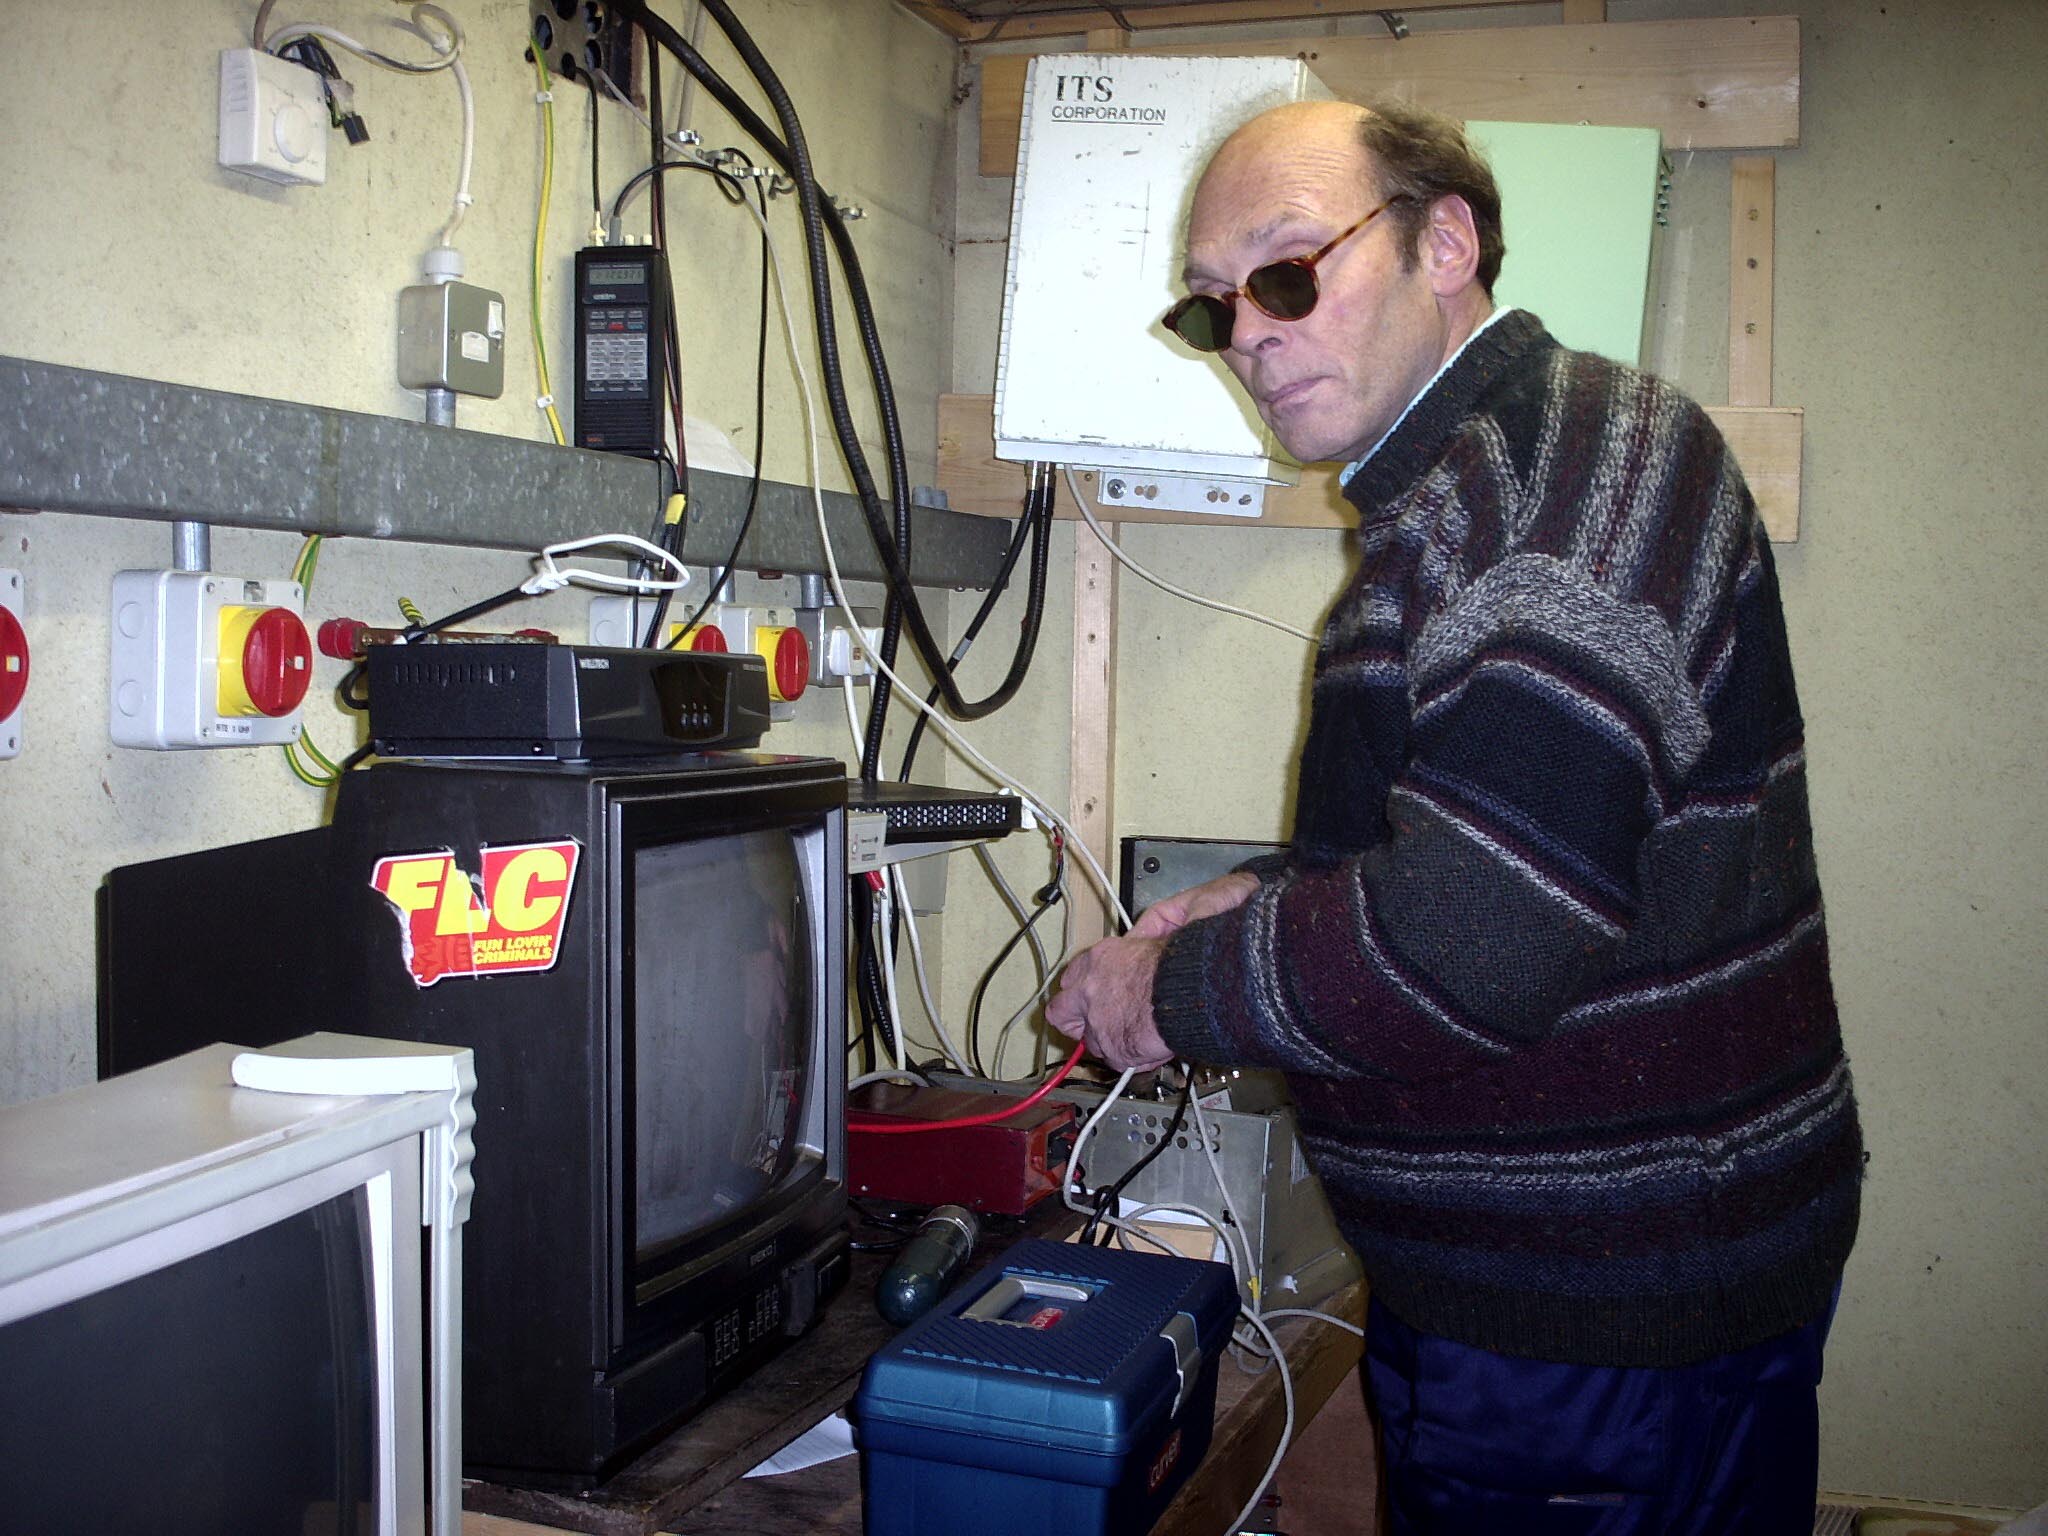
<point>1174,912</point>
<point>1105,998</point>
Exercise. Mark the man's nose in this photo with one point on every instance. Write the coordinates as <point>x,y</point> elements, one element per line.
<point>1252,329</point>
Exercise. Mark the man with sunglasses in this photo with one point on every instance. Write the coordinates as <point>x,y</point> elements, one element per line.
<point>1544,963</point>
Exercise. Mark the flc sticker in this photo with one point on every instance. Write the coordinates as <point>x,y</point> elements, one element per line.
<point>508,918</point>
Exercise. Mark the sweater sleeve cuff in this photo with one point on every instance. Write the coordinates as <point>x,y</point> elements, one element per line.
<point>1263,867</point>
<point>1181,991</point>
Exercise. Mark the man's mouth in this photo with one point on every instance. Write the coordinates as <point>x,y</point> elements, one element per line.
<point>1287,394</point>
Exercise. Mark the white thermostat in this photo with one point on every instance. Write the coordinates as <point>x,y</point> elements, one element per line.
<point>273,118</point>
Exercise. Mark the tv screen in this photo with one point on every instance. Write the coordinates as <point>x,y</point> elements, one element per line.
<point>721,1029</point>
<point>234,1390</point>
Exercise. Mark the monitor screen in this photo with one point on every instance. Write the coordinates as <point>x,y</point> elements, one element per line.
<point>722,1024</point>
<point>233,1390</point>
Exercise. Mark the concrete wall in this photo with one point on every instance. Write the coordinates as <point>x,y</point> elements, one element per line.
<point>1911,319</point>
<point>124,248</point>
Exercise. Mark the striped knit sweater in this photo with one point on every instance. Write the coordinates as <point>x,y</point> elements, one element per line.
<point>1545,962</point>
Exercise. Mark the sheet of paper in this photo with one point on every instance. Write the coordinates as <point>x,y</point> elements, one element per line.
<point>827,1440</point>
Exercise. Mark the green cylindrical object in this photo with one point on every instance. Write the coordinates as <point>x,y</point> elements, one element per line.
<point>928,1264</point>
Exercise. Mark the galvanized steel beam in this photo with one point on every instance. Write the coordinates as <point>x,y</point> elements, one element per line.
<point>73,440</point>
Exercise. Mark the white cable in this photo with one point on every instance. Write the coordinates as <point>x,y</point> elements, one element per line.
<point>1235,1254</point>
<point>890,1075</point>
<point>1286,1428</point>
<point>893,878</point>
<point>853,720</point>
<point>550,577</point>
<point>462,197</point>
<point>1051,975</point>
<point>924,986</point>
<point>1252,1278</point>
<point>1081,501</point>
<point>1074,1158</point>
<point>622,98</point>
<point>1029,933</point>
<point>1322,1317</point>
<point>687,94</point>
<point>446,48</point>
<point>1237,1250</point>
<point>904,692</point>
<point>449,43</point>
<point>1010,899</point>
<point>1129,1226</point>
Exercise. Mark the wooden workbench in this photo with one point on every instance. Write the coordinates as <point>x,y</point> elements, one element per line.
<point>693,1482</point>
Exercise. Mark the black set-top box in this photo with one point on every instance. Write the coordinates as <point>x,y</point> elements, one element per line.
<point>571,702</point>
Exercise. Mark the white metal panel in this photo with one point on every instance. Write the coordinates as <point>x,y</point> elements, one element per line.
<point>1111,147</point>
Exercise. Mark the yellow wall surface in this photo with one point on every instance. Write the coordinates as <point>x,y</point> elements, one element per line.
<point>1911,319</point>
<point>124,248</point>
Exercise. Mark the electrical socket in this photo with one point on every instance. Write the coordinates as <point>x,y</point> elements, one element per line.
<point>836,660</point>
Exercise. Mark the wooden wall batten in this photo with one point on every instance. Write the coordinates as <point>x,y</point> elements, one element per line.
<point>1719,84</point>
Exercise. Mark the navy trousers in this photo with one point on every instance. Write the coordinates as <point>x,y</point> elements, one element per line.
<point>1478,1444</point>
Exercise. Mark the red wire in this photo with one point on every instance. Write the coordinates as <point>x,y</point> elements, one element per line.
<point>906,1127</point>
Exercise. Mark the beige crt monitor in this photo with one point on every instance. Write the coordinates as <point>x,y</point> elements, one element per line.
<point>211,1310</point>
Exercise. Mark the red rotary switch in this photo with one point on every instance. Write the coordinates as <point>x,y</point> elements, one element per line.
<point>708,638</point>
<point>13,663</point>
<point>788,655</point>
<point>266,661</point>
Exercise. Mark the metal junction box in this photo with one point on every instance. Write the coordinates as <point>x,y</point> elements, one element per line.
<point>452,336</point>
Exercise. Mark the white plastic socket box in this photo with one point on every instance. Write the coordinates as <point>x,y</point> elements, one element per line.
<point>165,687</point>
<point>1111,148</point>
<point>836,658</point>
<point>13,661</point>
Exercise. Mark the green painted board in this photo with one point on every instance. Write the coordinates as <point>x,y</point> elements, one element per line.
<point>1579,209</point>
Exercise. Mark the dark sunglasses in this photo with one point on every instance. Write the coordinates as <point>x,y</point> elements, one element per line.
<point>1286,290</point>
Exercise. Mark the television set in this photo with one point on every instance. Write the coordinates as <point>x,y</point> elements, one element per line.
<point>648,960</point>
<point>211,1315</point>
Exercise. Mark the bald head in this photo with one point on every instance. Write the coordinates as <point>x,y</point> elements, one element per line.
<point>1292,151</point>
<point>1394,150</point>
<point>1393,258</point>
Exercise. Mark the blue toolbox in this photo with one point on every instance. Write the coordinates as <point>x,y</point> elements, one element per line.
<point>1061,1391</point>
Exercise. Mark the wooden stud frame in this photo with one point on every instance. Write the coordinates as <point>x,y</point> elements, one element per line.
<point>1201,13</point>
<point>1719,84</point>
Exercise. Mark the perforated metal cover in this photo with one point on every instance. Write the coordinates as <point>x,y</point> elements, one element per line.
<point>932,813</point>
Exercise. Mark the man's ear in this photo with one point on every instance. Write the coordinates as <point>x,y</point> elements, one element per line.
<point>1450,246</point>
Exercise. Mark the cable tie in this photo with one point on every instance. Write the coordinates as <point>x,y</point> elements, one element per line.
<point>543,402</point>
<point>543,98</point>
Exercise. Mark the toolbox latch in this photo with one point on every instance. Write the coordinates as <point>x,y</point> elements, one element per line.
<point>1179,1333</point>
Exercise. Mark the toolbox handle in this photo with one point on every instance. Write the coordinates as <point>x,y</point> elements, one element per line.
<point>1179,1332</point>
<point>1011,1289</point>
